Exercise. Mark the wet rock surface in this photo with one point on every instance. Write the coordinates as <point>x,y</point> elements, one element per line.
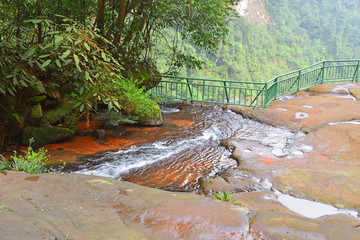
<point>320,163</point>
<point>52,206</point>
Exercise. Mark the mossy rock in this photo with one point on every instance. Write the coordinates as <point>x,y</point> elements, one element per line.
<point>35,115</point>
<point>154,120</point>
<point>35,89</point>
<point>71,122</point>
<point>37,99</point>
<point>54,115</point>
<point>15,125</point>
<point>45,135</point>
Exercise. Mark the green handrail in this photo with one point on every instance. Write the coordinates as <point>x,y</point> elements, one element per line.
<point>254,94</point>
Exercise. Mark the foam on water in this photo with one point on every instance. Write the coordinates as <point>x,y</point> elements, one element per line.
<point>301,115</point>
<point>281,109</point>
<point>169,110</point>
<point>307,106</point>
<point>276,138</point>
<point>115,163</point>
<point>289,97</point>
<point>356,122</point>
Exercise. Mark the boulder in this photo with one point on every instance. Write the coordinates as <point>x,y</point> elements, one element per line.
<point>99,133</point>
<point>54,115</point>
<point>15,125</point>
<point>35,115</point>
<point>45,135</point>
<point>155,120</point>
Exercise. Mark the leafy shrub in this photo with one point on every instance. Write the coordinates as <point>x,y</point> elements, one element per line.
<point>30,161</point>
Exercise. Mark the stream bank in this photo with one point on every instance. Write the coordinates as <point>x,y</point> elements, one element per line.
<point>318,163</point>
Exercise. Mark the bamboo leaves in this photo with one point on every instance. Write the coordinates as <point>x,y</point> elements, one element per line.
<point>46,63</point>
<point>65,54</point>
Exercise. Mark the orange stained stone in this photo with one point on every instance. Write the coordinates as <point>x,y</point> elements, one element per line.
<point>319,156</point>
<point>88,145</point>
<point>269,161</point>
<point>140,129</point>
<point>80,145</point>
<point>93,125</point>
<point>184,123</point>
<point>117,143</point>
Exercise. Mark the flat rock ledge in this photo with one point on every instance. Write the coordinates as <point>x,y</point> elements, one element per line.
<point>75,206</point>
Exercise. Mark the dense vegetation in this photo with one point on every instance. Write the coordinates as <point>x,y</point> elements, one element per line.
<point>63,56</point>
<point>300,33</point>
<point>101,50</point>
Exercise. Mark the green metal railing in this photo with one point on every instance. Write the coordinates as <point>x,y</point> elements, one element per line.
<point>254,94</point>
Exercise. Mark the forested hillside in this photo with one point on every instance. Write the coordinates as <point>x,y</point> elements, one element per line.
<point>299,33</point>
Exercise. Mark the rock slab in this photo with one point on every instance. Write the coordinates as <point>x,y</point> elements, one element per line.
<point>52,206</point>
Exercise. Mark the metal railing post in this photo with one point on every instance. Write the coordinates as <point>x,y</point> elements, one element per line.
<point>265,95</point>
<point>226,93</point>
<point>187,83</point>
<point>298,81</point>
<point>203,92</point>
<point>356,74</point>
<point>323,73</point>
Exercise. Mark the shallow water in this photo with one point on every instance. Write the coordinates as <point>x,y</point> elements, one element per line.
<point>305,207</point>
<point>185,150</point>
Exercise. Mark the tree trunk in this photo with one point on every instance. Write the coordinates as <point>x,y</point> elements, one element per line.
<point>39,26</point>
<point>120,20</point>
<point>100,16</point>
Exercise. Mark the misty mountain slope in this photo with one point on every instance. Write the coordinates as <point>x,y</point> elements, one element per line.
<point>276,36</point>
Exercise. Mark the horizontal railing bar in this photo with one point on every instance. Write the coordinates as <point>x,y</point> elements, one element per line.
<point>211,80</point>
<point>256,93</point>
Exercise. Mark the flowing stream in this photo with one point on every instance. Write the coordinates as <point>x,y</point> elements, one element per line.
<point>185,150</point>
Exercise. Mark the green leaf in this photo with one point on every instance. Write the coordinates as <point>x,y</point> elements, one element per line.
<point>77,61</point>
<point>44,56</point>
<point>76,58</point>
<point>28,53</point>
<point>34,21</point>
<point>87,76</point>
<point>86,46</point>
<point>58,40</point>
<point>58,63</point>
<point>103,56</point>
<point>45,64</point>
<point>65,54</point>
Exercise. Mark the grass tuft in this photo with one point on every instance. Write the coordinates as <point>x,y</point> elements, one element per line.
<point>30,161</point>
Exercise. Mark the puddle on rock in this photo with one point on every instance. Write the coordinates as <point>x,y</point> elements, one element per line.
<point>307,208</point>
